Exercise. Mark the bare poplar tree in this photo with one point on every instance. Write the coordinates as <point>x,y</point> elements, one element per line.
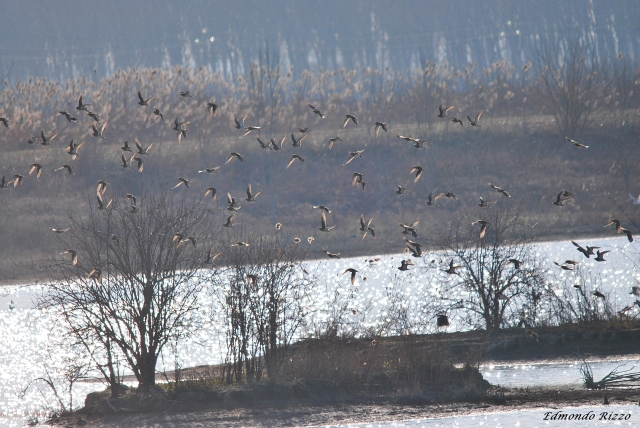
<point>571,81</point>
<point>136,281</point>
<point>498,278</point>
<point>262,294</point>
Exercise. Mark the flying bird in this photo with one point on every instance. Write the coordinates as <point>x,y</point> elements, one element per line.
<point>67,167</point>
<point>37,168</point>
<point>293,158</point>
<point>181,181</point>
<point>333,140</point>
<point>74,256</point>
<point>456,120</point>
<point>211,257</point>
<point>331,255</point>
<point>404,264</point>
<point>210,170</point>
<point>158,113</point>
<point>234,155</point>
<point>433,200</point>
<point>353,272</point>
<point>81,105</point>
<point>484,203</point>
<point>72,149</point>
<point>452,268</point>
<point>140,162</point>
<point>380,125</point>
<point>232,204</point>
<point>46,141</point>
<point>323,224</point>
<point>249,129</point>
<point>617,223</point>
<point>186,94</point>
<point>98,133</point>
<point>476,121</point>
<point>575,143</point>
<point>500,190</point>
<point>5,122</point>
<point>67,115</point>
<point>418,171</point>
<point>142,101</point>
<point>365,227</point>
<point>401,191</point>
<point>213,191</point>
<point>230,224</point>
<point>443,111</point>
<point>240,123</point>
<point>59,231</point>
<point>347,118</point>
<point>322,207</point>
<point>251,197</point>
<point>483,229</point>
<point>586,251</point>
<point>316,111</point>
<point>143,150</point>
<point>600,256</point>
<point>353,155</point>
<point>213,109</point>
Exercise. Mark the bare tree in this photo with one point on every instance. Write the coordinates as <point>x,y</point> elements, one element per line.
<point>262,295</point>
<point>498,279</point>
<point>137,278</point>
<point>571,81</point>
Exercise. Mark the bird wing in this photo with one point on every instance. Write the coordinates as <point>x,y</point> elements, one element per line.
<point>323,220</point>
<point>478,117</point>
<point>346,120</point>
<point>140,96</point>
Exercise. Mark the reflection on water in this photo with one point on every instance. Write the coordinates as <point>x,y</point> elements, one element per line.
<point>25,332</point>
<point>522,419</point>
<point>552,374</point>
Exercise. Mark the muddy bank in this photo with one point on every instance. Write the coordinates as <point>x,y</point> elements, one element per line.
<point>303,414</point>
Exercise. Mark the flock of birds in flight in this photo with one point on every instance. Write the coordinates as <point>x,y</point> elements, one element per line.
<point>136,160</point>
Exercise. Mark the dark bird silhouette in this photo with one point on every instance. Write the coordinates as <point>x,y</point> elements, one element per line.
<point>72,149</point>
<point>456,120</point>
<point>95,274</point>
<point>587,252</point>
<point>46,141</point>
<point>333,140</point>
<point>293,158</point>
<point>323,224</point>
<point>316,111</point>
<point>404,264</point>
<point>67,167</point>
<point>140,162</point>
<point>628,233</point>
<point>186,94</point>
<point>353,155</point>
<point>143,150</point>
<point>210,170</point>
<point>380,125</point>
<point>99,133</point>
<point>229,222</point>
<point>562,197</point>
<point>575,143</point>
<point>81,105</point>
<point>234,155</point>
<point>433,200</point>
<point>365,226</point>
<point>182,181</point>
<point>67,115</point>
<point>126,147</point>
<point>213,191</point>
<point>251,197</point>
<point>213,109</point>
<point>74,256</point>
<point>331,255</point>
<point>418,171</point>
<point>353,274</point>
<point>599,294</point>
<point>347,118</point>
<point>410,229</point>
<point>600,256</point>
<point>476,121</point>
<point>500,190</point>
<point>484,203</point>
<point>158,113</point>
<point>452,268</point>
<point>617,223</point>
<point>401,191</point>
<point>483,229</point>
<point>5,122</point>
<point>142,101</point>
<point>442,321</point>
<point>516,263</point>
<point>240,123</point>
<point>443,111</point>
<point>37,168</point>
<point>322,207</point>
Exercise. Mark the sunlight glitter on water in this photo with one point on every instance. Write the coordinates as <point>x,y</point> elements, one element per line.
<point>25,332</point>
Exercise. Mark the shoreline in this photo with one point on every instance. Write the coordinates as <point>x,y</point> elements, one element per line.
<point>27,281</point>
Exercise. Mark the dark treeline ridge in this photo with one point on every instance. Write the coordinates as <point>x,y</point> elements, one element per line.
<point>521,146</point>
